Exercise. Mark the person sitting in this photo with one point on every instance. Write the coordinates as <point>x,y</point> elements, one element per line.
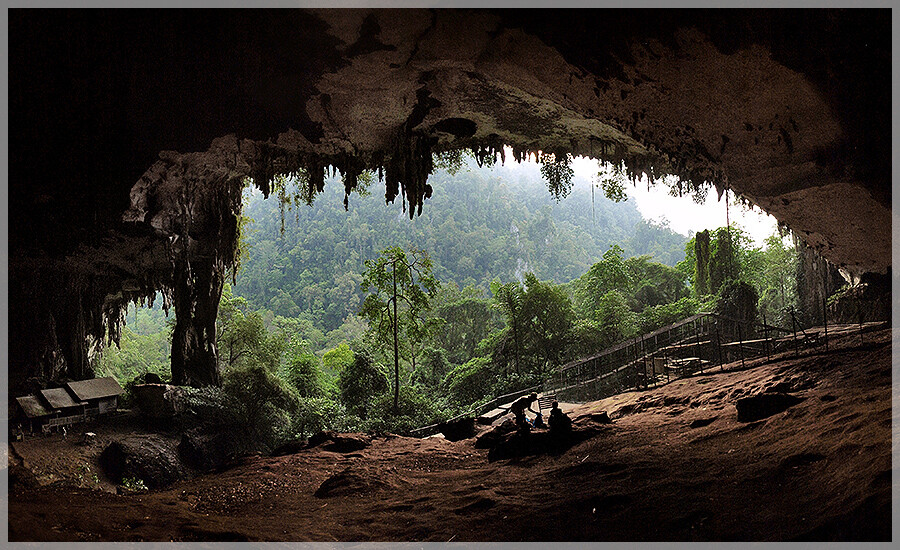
<point>539,421</point>
<point>560,423</point>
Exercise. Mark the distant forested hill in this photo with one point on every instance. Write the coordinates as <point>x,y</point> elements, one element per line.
<point>478,225</point>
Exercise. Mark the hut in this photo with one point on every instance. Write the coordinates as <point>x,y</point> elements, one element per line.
<point>66,409</point>
<point>34,412</point>
<point>100,394</point>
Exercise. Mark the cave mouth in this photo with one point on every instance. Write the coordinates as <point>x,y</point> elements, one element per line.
<point>289,196</point>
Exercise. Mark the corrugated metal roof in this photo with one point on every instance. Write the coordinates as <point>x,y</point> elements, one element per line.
<point>96,388</point>
<point>59,398</point>
<point>32,406</point>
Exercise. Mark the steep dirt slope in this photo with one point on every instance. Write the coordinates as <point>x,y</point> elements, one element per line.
<point>675,464</point>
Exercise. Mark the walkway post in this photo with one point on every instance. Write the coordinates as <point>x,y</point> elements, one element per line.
<point>766,336</point>
<point>644,354</point>
<point>860,315</point>
<point>697,343</point>
<point>719,345</point>
<point>740,344</point>
<point>794,328</point>
<point>666,355</point>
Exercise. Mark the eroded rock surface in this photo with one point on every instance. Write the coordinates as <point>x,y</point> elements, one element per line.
<point>134,134</point>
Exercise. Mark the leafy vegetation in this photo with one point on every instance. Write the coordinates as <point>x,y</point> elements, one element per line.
<point>512,287</point>
<point>481,224</point>
<point>394,277</point>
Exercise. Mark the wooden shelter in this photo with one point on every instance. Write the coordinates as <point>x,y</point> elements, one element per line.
<point>100,394</point>
<point>36,414</point>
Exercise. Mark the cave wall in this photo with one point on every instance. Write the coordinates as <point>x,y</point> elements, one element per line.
<point>135,130</point>
<point>817,279</point>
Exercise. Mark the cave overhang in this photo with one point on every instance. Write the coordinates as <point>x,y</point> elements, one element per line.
<point>771,105</point>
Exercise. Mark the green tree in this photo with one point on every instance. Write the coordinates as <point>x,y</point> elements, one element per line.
<point>431,369</point>
<point>604,276</point>
<point>135,355</point>
<point>360,382</point>
<point>303,371</point>
<point>732,257</point>
<point>655,283</point>
<point>468,319</point>
<point>614,318</point>
<point>778,288</point>
<point>240,333</point>
<point>337,359</point>
<point>508,298</point>
<point>548,317</point>
<point>264,403</point>
<point>469,382</point>
<point>400,283</point>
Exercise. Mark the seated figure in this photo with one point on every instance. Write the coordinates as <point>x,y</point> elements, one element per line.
<point>560,423</point>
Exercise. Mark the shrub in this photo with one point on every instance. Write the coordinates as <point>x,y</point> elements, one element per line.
<point>470,382</point>
<point>315,414</point>
<point>655,317</point>
<point>360,382</point>
<point>415,410</point>
<point>264,403</point>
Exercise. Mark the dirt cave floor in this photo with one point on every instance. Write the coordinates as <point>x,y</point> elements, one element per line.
<point>674,464</point>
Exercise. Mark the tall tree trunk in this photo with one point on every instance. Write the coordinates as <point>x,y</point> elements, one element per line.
<point>396,348</point>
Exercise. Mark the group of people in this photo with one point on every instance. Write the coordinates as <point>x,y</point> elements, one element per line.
<point>558,422</point>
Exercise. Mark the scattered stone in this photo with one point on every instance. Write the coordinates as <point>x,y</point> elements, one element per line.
<point>761,406</point>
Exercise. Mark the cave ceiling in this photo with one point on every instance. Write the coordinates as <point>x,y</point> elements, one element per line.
<point>115,117</point>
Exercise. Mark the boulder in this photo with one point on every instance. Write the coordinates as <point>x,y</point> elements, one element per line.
<point>339,443</point>
<point>764,405</point>
<point>457,430</point>
<point>348,483</point>
<point>150,458</point>
<point>600,418</point>
<point>158,401</point>
<point>291,447</point>
<point>491,438</point>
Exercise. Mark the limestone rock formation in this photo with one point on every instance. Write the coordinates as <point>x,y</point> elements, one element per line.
<point>134,134</point>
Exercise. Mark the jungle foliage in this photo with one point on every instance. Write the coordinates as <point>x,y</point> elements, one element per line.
<point>512,287</point>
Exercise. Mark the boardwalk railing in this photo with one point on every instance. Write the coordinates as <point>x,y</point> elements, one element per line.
<point>425,431</point>
<point>696,343</point>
